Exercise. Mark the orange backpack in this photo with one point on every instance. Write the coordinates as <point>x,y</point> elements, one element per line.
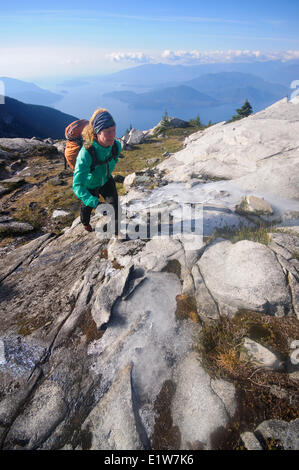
<point>74,141</point>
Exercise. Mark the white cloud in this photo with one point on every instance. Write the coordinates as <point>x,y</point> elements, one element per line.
<point>38,61</point>
<point>197,57</point>
<point>137,57</point>
<point>291,55</point>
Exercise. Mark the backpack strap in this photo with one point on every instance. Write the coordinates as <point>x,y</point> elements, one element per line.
<point>95,162</point>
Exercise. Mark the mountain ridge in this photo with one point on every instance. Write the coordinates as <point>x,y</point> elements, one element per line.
<point>28,92</point>
<point>153,73</point>
<point>213,89</point>
<point>19,119</point>
<point>169,97</point>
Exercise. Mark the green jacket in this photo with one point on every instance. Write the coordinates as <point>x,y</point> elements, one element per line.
<point>84,179</point>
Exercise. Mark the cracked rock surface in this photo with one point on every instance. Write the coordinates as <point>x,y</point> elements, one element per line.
<point>94,351</point>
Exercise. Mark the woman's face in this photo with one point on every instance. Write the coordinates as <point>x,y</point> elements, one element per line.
<point>106,137</point>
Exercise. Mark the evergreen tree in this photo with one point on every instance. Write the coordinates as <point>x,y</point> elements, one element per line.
<point>245,110</point>
<point>165,116</point>
<point>195,122</point>
<point>165,124</point>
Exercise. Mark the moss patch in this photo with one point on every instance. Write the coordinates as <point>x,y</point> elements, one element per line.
<point>89,328</point>
<point>261,394</point>
<point>173,266</point>
<point>186,308</point>
<point>165,436</point>
<point>259,234</point>
<point>29,324</point>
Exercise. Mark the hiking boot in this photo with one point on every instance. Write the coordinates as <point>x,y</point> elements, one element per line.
<point>88,228</point>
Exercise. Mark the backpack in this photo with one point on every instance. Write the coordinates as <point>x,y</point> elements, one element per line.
<point>74,142</point>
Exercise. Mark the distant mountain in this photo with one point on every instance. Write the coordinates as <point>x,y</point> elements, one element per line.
<point>165,98</point>
<point>28,92</point>
<point>27,120</point>
<point>206,91</point>
<point>152,74</point>
<point>230,87</point>
<point>149,74</point>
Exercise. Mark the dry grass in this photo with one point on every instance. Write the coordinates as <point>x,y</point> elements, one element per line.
<point>136,158</point>
<point>219,346</point>
<point>228,360</point>
<point>259,234</point>
<point>186,308</point>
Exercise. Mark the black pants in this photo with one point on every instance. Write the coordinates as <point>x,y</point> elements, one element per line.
<point>109,193</point>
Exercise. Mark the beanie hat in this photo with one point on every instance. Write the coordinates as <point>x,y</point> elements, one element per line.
<point>102,121</point>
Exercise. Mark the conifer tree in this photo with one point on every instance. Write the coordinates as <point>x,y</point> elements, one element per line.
<point>165,124</point>
<point>195,122</point>
<point>245,110</point>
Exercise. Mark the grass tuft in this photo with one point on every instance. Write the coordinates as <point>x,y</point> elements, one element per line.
<point>259,234</point>
<point>220,345</point>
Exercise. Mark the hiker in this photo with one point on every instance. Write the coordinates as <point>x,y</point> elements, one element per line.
<point>94,164</point>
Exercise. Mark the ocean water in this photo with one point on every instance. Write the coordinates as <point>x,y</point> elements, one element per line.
<point>81,101</point>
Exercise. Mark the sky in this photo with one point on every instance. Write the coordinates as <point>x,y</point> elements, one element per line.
<point>76,38</point>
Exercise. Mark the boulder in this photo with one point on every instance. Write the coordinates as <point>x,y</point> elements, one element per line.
<point>250,441</point>
<point>196,402</point>
<point>273,434</point>
<point>257,153</point>
<point>245,275</point>
<point>152,161</point>
<point>134,137</point>
<point>129,180</point>
<point>260,355</point>
<point>112,424</point>
<point>254,205</point>
<point>60,146</point>
<point>173,123</point>
<point>11,227</point>
<point>59,213</point>
<point>176,123</point>
<point>107,295</point>
<point>23,145</point>
<point>43,413</point>
<point>279,434</point>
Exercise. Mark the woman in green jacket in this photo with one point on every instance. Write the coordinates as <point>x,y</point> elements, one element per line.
<point>89,180</point>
